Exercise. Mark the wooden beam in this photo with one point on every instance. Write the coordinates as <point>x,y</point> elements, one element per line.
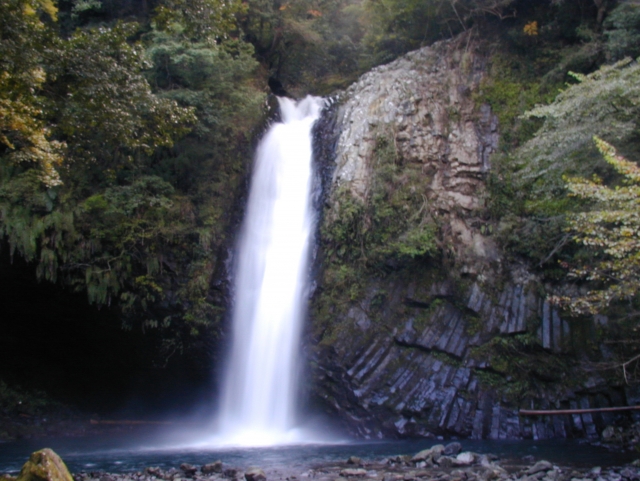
<point>553,412</point>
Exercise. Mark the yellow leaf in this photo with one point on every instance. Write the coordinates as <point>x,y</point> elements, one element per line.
<point>531,29</point>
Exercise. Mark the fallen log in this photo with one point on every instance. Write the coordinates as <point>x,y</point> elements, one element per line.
<point>552,412</point>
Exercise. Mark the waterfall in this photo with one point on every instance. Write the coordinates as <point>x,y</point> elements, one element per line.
<point>260,388</point>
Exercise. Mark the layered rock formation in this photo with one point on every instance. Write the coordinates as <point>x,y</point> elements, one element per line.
<point>452,341</point>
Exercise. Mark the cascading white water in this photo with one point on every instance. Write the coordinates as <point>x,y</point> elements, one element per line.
<point>260,387</point>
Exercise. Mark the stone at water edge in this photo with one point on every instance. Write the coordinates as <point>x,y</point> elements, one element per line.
<point>464,459</point>
<point>434,452</point>
<point>349,472</point>
<point>255,474</point>
<point>354,460</point>
<point>539,466</point>
<point>215,467</point>
<point>452,449</point>
<point>230,472</point>
<point>44,465</point>
<point>188,469</point>
<point>154,471</point>
<point>445,461</point>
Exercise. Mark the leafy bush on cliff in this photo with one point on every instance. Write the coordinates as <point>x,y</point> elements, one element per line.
<point>604,103</point>
<point>612,229</point>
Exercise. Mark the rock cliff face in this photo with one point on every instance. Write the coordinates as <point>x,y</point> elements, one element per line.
<point>451,340</point>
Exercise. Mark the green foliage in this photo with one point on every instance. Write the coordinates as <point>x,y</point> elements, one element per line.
<point>622,31</point>
<point>606,103</point>
<point>389,232</point>
<point>310,45</point>
<point>397,26</point>
<point>202,20</point>
<point>511,89</point>
<point>215,80</point>
<point>16,401</point>
<point>131,210</point>
<point>24,136</point>
<point>107,113</point>
<point>393,225</point>
<point>528,191</point>
<point>612,229</point>
<point>519,366</point>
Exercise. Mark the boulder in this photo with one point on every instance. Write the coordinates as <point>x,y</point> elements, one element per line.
<point>452,449</point>
<point>215,467</point>
<point>464,459</point>
<point>445,461</point>
<point>539,466</point>
<point>421,456</point>
<point>44,465</point>
<point>188,469</point>
<point>354,460</point>
<point>155,472</point>
<point>255,474</point>
<point>433,453</point>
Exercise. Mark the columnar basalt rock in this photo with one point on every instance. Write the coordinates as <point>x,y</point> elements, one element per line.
<point>454,343</point>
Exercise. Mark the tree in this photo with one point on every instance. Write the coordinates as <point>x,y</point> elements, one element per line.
<point>198,19</point>
<point>86,214</point>
<point>612,230</point>
<point>401,25</point>
<point>24,134</point>
<point>105,109</point>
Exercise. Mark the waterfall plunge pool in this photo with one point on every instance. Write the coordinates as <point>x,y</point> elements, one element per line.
<point>136,450</point>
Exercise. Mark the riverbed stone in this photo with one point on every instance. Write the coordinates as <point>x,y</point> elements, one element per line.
<point>422,456</point>
<point>539,466</point>
<point>188,469</point>
<point>155,472</point>
<point>431,454</point>
<point>353,472</point>
<point>465,459</point>
<point>452,449</point>
<point>354,460</point>
<point>44,465</point>
<point>445,461</point>
<point>215,467</point>
<point>255,474</point>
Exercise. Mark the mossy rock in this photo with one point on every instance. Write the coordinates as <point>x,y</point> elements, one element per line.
<point>44,465</point>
